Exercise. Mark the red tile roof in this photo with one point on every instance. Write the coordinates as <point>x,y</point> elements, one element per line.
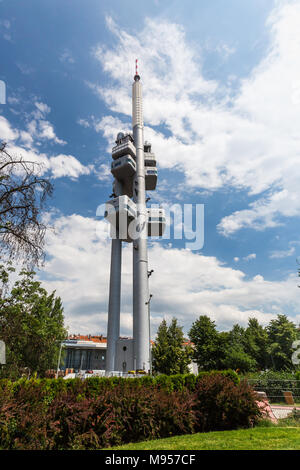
<point>102,339</point>
<point>94,339</point>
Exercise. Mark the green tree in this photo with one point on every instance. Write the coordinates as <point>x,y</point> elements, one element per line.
<point>208,349</point>
<point>31,323</point>
<point>235,356</point>
<point>236,336</point>
<point>169,354</point>
<point>256,343</point>
<point>282,333</point>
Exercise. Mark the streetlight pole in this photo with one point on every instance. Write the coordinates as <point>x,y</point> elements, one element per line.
<point>59,357</point>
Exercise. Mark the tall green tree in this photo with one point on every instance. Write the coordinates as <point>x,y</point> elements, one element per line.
<point>235,355</point>
<point>282,333</point>
<point>237,359</point>
<point>256,343</point>
<point>208,349</point>
<point>31,323</point>
<point>169,354</point>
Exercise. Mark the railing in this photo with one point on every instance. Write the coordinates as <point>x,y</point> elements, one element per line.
<point>275,389</point>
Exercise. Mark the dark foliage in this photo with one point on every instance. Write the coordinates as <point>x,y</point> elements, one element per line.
<point>222,405</point>
<point>33,418</point>
<point>99,413</point>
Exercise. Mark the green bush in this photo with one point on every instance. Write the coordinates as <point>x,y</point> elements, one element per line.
<point>231,374</point>
<point>100,412</point>
<point>223,405</point>
<point>73,421</point>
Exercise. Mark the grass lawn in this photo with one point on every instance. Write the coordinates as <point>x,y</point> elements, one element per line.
<point>260,438</point>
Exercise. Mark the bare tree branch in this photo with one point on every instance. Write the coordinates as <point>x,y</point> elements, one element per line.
<point>22,198</point>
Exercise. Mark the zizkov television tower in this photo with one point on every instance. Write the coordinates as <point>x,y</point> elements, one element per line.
<point>134,169</point>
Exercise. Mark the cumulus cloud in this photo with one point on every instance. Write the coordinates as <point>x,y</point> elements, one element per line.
<point>283,253</point>
<point>39,127</point>
<point>6,131</point>
<point>83,122</point>
<point>250,256</point>
<point>23,143</point>
<point>184,284</point>
<point>248,142</point>
<point>67,165</point>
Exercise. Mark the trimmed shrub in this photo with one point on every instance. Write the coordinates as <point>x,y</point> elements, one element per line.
<point>100,412</point>
<point>231,374</point>
<point>23,423</point>
<point>222,405</point>
<point>72,421</point>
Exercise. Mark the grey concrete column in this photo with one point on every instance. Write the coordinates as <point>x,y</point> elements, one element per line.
<point>113,325</point>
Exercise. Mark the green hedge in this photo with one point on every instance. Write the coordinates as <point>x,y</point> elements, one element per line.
<point>101,412</point>
<point>92,386</point>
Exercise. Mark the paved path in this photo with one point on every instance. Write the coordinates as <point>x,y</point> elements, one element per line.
<point>282,411</point>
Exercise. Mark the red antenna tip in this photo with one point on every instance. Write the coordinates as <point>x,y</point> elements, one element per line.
<point>136,77</point>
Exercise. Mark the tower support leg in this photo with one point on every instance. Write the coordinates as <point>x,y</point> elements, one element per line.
<point>113,325</point>
<point>141,333</point>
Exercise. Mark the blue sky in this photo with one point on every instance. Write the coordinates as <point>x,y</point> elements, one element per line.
<point>221,106</point>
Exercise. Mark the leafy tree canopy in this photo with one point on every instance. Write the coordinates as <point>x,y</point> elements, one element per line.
<point>282,333</point>
<point>247,349</point>
<point>207,343</point>
<point>170,355</point>
<point>31,323</point>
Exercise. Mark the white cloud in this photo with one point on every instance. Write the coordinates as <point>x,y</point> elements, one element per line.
<point>184,283</point>
<point>109,126</point>
<point>103,172</point>
<point>58,165</point>
<point>6,132</point>
<point>66,57</point>
<point>222,48</point>
<point>46,131</point>
<point>12,100</point>
<point>283,253</point>
<point>43,108</point>
<point>252,145</point>
<point>26,139</point>
<point>67,165</point>
<point>250,256</point>
<point>5,29</point>
<point>39,127</point>
<point>83,122</point>
<point>22,143</point>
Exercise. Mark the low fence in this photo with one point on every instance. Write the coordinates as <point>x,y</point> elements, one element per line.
<point>275,389</point>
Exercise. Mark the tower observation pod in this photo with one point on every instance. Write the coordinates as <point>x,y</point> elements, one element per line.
<point>134,169</point>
